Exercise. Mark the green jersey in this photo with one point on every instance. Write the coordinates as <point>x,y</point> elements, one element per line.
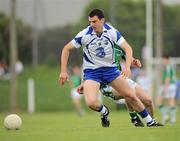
<point>168,71</point>
<point>76,80</point>
<point>118,55</point>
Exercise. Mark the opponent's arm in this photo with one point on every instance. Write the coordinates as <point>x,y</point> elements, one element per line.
<point>136,62</point>
<point>64,60</point>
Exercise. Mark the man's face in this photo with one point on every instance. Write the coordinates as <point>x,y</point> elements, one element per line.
<point>165,61</point>
<point>76,70</point>
<point>96,23</point>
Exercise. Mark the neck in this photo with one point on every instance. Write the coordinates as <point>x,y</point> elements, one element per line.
<point>99,32</point>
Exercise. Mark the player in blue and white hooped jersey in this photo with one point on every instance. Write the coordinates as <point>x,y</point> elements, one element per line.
<point>99,66</point>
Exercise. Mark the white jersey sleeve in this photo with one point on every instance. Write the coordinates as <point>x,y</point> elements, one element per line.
<point>118,39</point>
<point>78,40</point>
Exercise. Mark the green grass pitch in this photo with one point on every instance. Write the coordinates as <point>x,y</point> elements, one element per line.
<point>68,126</point>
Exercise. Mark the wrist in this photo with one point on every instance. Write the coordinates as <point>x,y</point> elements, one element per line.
<point>127,67</point>
<point>63,70</point>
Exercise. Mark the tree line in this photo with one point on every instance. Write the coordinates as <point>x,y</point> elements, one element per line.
<point>127,16</point>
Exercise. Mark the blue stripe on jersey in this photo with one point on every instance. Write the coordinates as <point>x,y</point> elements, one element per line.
<point>109,40</point>
<point>90,30</point>
<point>111,46</point>
<point>107,26</point>
<point>118,35</point>
<point>90,42</point>
<point>86,58</point>
<point>78,40</point>
<point>113,63</point>
<point>87,46</point>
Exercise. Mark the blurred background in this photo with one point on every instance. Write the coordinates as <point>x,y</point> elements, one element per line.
<point>33,33</point>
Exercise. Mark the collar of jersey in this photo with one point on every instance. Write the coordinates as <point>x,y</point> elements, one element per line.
<point>104,30</point>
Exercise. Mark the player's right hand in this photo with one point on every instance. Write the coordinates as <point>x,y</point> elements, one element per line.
<point>63,77</point>
<point>80,89</point>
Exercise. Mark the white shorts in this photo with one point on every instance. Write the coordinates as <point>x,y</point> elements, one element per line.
<point>75,94</point>
<point>106,90</point>
<point>131,83</point>
<point>170,91</point>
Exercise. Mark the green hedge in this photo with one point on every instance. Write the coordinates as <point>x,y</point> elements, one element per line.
<point>50,96</point>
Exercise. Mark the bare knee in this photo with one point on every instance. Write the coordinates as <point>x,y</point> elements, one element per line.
<point>92,104</point>
<point>130,95</point>
<point>148,103</point>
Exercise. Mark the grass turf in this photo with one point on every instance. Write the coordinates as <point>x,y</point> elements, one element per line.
<point>67,126</point>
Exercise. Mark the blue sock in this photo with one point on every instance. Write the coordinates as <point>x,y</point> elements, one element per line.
<point>146,117</point>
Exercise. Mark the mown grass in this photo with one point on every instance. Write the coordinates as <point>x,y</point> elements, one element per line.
<point>67,126</point>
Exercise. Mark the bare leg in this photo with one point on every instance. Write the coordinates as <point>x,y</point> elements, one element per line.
<point>77,104</point>
<point>142,95</point>
<point>172,106</point>
<point>91,89</point>
<point>128,93</point>
<point>146,99</point>
<point>159,100</point>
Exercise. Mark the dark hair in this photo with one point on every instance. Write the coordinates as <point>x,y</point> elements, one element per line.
<point>96,12</point>
<point>166,56</point>
<point>75,65</point>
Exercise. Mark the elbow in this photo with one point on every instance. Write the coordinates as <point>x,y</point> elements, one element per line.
<point>66,49</point>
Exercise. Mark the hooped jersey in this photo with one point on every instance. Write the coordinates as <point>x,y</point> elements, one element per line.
<point>168,71</point>
<point>98,51</point>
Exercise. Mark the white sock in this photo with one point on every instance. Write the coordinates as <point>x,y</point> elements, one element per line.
<point>148,119</point>
<point>103,110</point>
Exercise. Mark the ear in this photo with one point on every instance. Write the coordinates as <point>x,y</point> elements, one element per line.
<point>103,20</point>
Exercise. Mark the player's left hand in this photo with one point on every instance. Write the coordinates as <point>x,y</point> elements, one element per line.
<point>137,63</point>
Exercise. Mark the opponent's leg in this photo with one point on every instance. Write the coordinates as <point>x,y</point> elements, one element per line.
<point>76,99</point>
<point>172,109</point>
<point>121,86</point>
<point>134,116</point>
<point>162,108</point>
<point>145,99</point>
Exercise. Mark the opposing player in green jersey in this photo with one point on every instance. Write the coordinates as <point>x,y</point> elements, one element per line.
<point>167,92</point>
<point>75,81</point>
<point>142,95</point>
<point>108,91</point>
